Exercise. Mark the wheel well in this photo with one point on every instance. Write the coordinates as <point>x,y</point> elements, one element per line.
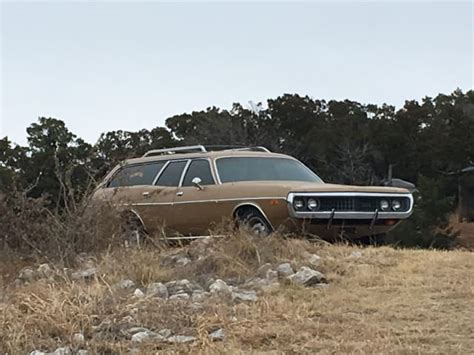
<point>245,208</point>
<point>133,216</point>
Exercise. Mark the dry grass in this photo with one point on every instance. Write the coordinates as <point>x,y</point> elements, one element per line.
<point>386,301</point>
<point>465,230</point>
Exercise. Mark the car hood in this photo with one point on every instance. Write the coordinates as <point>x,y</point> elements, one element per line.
<point>297,186</point>
<point>315,187</point>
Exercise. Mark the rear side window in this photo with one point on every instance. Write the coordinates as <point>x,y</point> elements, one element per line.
<point>136,175</point>
<point>172,174</point>
<point>200,169</point>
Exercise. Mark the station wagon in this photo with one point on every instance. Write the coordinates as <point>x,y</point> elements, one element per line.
<point>185,191</point>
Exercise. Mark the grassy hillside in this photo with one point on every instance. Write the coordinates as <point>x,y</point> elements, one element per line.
<point>376,300</point>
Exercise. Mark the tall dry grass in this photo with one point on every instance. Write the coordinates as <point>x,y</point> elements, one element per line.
<point>29,228</point>
<point>379,300</point>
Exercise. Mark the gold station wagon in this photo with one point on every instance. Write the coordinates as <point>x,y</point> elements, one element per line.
<point>185,191</point>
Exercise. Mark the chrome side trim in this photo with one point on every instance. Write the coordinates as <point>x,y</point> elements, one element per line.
<point>192,237</point>
<point>183,173</point>
<point>249,199</point>
<point>349,214</point>
<point>257,207</point>
<point>159,173</point>
<point>216,172</point>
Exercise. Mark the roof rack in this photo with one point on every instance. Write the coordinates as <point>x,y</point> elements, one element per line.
<point>236,147</point>
<point>203,149</point>
<point>255,149</point>
<point>187,149</point>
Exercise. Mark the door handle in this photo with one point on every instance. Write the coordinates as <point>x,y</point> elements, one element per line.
<point>180,193</point>
<point>146,193</point>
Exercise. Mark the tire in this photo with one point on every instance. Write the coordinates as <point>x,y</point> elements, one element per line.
<point>133,232</point>
<point>254,221</point>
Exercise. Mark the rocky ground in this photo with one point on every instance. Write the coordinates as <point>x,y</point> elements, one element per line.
<point>239,295</point>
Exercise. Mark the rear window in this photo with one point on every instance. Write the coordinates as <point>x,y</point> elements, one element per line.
<point>172,174</point>
<point>136,175</point>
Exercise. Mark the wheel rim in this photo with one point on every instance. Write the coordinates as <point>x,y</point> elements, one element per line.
<point>258,227</point>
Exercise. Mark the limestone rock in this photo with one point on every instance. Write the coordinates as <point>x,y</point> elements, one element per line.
<point>217,335</point>
<point>45,271</point>
<point>62,351</point>
<point>157,289</point>
<point>245,296</point>
<point>262,270</point>
<point>138,293</point>
<point>125,285</point>
<point>285,270</point>
<point>86,274</point>
<point>314,259</point>
<point>181,286</point>
<point>145,336</point>
<point>307,277</point>
<point>219,287</point>
<point>180,296</point>
<point>181,339</point>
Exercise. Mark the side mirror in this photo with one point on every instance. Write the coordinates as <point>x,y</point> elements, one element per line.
<point>197,183</point>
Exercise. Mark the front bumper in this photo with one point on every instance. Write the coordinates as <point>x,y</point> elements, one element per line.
<point>334,214</point>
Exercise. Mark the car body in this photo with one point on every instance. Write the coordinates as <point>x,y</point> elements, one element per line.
<point>186,191</point>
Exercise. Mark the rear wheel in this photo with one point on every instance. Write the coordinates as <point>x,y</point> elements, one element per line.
<point>254,221</point>
<point>133,231</point>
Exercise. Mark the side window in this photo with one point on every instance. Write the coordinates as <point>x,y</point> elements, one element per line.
<point>171,174</point>
<point>200,169</point>
<point>136,175</point>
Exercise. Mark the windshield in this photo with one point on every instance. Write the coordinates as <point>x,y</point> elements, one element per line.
<point>258,168</point>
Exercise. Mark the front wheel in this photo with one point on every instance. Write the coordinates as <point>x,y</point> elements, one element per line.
<point>255,222</point>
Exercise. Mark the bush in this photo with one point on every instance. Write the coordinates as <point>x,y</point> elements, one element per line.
<point>428,226</point>
<point>29,227</point>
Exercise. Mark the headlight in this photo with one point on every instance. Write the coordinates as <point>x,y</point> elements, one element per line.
<point>298,204</point>
<point>313,204</point>
<point>384,205</point>
<point>396,205</point>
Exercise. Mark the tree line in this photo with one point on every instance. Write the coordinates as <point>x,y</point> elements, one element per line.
<point>342,141</point>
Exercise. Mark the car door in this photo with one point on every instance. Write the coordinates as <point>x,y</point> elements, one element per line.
<point>195,205</point>
<point>132,189</point>
<point>156,206</point>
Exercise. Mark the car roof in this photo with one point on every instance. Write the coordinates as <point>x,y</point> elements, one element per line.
<point>211,155</point>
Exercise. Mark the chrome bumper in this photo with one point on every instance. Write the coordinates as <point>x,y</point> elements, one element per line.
<point>377,214</point>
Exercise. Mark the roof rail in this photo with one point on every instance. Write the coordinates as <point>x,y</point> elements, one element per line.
<point>203,149</point>
<point>254,149</point>
<point>187,149</point>
<point>236,147</point>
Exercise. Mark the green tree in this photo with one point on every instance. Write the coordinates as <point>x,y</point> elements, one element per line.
<point>57,162</point>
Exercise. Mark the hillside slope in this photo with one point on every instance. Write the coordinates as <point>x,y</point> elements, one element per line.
<point>371,300</point>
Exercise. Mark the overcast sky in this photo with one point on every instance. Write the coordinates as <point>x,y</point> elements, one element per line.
<point>121,65</point>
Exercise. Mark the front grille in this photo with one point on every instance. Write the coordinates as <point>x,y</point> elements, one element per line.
<point>337,203</point>
<point>349,204</point>
<point>354,203</point>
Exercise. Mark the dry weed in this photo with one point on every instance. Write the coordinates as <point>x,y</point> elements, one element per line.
<point>380,300</point>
